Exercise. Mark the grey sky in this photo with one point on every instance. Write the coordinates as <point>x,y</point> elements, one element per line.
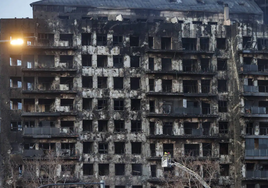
<point>16,8</point>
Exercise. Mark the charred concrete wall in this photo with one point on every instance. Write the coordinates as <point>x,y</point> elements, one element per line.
<point>111,97</point>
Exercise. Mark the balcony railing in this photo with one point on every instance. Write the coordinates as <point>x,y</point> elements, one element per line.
<point>255,110</point>
<point>49,131</point>
<point>256,152</point>
<point>257,174</point>
<point>256,89</point>
<point>250,68</point>
<point>193,132</point>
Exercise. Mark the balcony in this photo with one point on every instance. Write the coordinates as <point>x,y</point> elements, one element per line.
<point>49,89</point>
<point>185,112</point>
<point>257,174</point>
<point>48,132</point>
<point>254,70</point>
<point>258,112</point>
<point>255,91</point>
<point>201,72</point>
<point>256,154</point>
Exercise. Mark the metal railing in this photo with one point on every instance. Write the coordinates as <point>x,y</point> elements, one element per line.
<point>255,110</point>
<point>253,89</point>
<point>190,88</point>
<point>194,132</point>
<point>263,130</point>
<point>250,68</point>
<point>31,131</point>
<point>257,174</point>
<point>256,152</point>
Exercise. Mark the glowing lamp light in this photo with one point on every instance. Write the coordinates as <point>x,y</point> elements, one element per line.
<point>16,42</point>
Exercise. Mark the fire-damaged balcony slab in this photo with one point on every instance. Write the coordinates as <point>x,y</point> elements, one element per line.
<point>255,112</point>
<point>156,180</point>
<point>251,51</point>
<point>51,69</point>
<point>174,72</point>
<point>154,158</point>
<point>197,136</point>
<point>181,115</point>
<point>47,132</point>
<point>49,91</point>
<point>179,51</point>
<point>180,94</point>
<point>255,91</point>
<point>50,47</point>
<point>47,114</point>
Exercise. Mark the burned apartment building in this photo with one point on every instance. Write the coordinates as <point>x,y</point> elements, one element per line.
<point>109,86</point>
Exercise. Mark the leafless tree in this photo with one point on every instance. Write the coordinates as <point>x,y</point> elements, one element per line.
<point>48,169</point>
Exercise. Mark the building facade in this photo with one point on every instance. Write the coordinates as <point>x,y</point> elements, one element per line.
<point>108,87</point>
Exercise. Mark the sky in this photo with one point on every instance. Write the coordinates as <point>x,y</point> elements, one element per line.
<point>16,8</point>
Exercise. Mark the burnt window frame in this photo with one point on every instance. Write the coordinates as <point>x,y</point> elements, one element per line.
<point>223,106</point>
<point>101,40</point>
<point>102,82</point>
<point>87,126</point>
<point>117,169</point>
<point>119,126</point>
<point>103,148</point>
<point>135,61</point>
<point>88,147</point>
<point>86,60</point>
<point>136,148</point>
<point>136,169</point>
<point>87,103</point>
<point>134,41</point>
<point>118,61</point>
<point>104,105</point>
<point>88,168</point>
<point>119,148</point>
<point>104,169</point>
<point>117,80</point>
<point>223,127</point>
<point>136,126</point>
<point>222,64</point>
<point>117,40</point>
<point>221,43</point>
<point>102,61</point>
<point>135,83</point>
<point>87,82</point>
<point>87,39</point>
<point>119,104</point>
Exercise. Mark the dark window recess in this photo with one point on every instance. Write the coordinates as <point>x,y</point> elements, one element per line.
<point>102,82</point>
<point>262,65</point>
<point>151,42</point>
<point>224,149</point>
<point>222,85</point>
<point>189,86</point>
<point>67,61</point>
<point>166,64</point>
<point>151,84</point>
<point>103,148</point>
<point>136,147</point>
<point>221,43</point>
<point>167,85</point>
<point>119,104</point>
<point>152,128</point>
<point>134,41</point>
<point>153,170</point>
<point>87,104</point>
<point>135,104</point>
<point>118,83</point>
<point>101,40</point>
<point>250,129</point>
<point>198,22</point>
<point>134,83</point>
<point>134,61</point>
<point>68,38</point>
<point>119,186</point>
<point>205,108</point>
<point>205,65</point>
<point>191,129</point>
<point>191,150</point>
<point>168,128</point>
<point>119,169</point>
<point>46,39</point>
<point>247,60</point>
<point>166,43</point>
<point>247,42</point>
<point>189,65</point>
<point>103,18</point>
<point>137,186</point>
<point>151,64</point>
<point>205,86</point>
<point>136,126</point>
<point>223,127</point>
<point>117,40</point>
<point>119,125</point>
<point>86,60</point>
<point>206,128</point>
<point>222,106</point>
<point>141,20</point>
<point>222,64</point>
<point>63,17</point>
<point>152,150</point>
<point>86,39</point>
<point>118,61</point>
<point>207,147</point>
<point>87,81</point>
<point>15,126</point>
<point>101,61</point>
<point>224,169</point>
<point>262,44</point>
<point>87,125</point>
<point>119,147</point>
<point>87,147</point>
<point>189,44</point>
<point>204,44</point>
<point>103,169</point>
<point>88,169</point>
<point>102,125</point>
<point>152,106</point>
<point>136,170</point>
<point>102,104</point>
<point>168,148</point>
